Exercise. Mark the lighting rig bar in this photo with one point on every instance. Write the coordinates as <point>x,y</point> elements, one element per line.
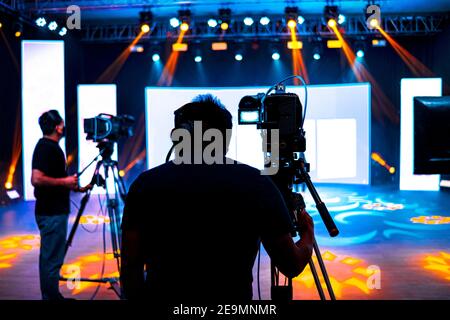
<point>312,27</point>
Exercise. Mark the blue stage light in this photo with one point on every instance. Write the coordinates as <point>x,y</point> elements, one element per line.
<point>275,56</point>
<point>360,53</point>
<point>198,59</point>
<point>156,57</point>
<point>238,57</point>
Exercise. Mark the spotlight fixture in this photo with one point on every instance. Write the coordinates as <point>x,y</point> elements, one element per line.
<point>1,25</point>
<point>63,31</point>
<point>264,20</point>
<point>145,20</point>
<point>145,28</point>
<point>248,21</point>
<point>331,23</point>
<point>317,52</point>
<point>374,23</point>
<point>291,15</point>
<point>212,23</point>
<point>41,22</point>
<point>184,26</point>
<point>225,18</point>
<point>184,16</point>
<point>372,14</point>
<point>18,29</point>
<point>238,57</point>
<point>341,19</point>
<point>359,48</point>
<point>275,56</point>
<point>331,15</point>
<point>300,20</point>
<point>291,24</point>
<point>198,59</point>
<point>52,26</point>
<point>156,57</point>
<point>174,22</point>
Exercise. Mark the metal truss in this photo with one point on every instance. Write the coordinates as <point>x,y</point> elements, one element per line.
<point>313,27</point>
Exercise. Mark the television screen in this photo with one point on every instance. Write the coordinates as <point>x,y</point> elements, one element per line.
<point>432,135</point>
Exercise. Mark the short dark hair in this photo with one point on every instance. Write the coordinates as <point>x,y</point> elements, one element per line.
<point>205,108</point>
<point>49,120</point>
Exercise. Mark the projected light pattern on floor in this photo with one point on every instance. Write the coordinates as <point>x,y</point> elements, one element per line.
<point>349,276</point>
<point>438,263</point>
<point>92,219</point>
<point>367,217</point>
<point>406,234</point>
<point>90,267</point>
<point>12,247</point>
<point>431,220</point>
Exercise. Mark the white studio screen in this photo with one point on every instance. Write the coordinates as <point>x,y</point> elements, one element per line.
<point>42,90</point>
<point>337,128</point>
<point>93,100</point>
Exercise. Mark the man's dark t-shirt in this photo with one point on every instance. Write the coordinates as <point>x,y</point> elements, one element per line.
<point>200,227</point>
<point>49,158</point>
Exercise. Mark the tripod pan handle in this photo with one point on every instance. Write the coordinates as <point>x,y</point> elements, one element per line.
<point>327,220</point>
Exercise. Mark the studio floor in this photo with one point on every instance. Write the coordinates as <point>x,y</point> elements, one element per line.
<point>392,245</point>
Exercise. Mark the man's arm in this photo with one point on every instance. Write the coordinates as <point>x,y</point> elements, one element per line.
<point>39,178</point>
<point>291,258</point>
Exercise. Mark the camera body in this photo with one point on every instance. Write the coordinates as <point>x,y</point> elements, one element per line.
<point>280,110</point>
<point>106,127</point>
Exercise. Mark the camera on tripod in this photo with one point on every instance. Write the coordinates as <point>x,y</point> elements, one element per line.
<point>106,127</point>
<point>281,111</point>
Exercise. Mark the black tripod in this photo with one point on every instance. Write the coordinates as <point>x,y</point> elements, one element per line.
<point>112,205</point>
<point>285,178</point>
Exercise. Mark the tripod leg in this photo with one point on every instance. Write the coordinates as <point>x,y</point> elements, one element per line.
<point>324,271</point>
<point>84,201</point>
<point>317,280</point>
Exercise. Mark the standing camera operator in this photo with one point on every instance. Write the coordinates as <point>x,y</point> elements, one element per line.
<point>196,228</point>
<point>52,188</point>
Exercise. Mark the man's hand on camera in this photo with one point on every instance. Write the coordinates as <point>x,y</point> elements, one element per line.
<point>306,225</point>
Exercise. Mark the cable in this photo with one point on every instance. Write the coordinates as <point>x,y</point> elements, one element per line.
<point>284,80</point>
<point>258,268</point>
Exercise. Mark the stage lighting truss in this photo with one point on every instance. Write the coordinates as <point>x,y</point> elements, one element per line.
<point>355,26</point>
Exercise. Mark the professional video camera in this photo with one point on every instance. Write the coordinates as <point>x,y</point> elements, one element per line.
<point>106,127</point>
<point>283,112</point>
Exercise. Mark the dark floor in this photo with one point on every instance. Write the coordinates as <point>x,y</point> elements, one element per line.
<point>392,245</point>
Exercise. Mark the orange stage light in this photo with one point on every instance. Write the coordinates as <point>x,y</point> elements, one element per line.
<point>184,27</point>
<point>168,73</point>
<point>379,159</point>
<point>334,44</point>
<point>180,47</point>
<point>219,46</point>
<point>114,68</point>
<point>298,65</point>
<point>416,67</point>
<point>295,45</point>
<point>145,28</point>
<point>331,23</point>
<point>383,106</point>
<point>292,24</point>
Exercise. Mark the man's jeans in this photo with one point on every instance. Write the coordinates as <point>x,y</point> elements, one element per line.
<point>53,230</point>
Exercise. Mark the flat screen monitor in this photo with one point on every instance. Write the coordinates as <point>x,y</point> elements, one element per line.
<point>432,135</point>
